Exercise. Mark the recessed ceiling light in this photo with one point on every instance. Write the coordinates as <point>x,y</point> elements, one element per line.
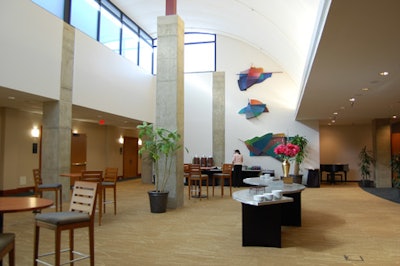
<point>384,73</point>
<point>365,89</point>
<point>335,113</point>
<point>394,117</point>
<point>352,99</point>
<point>11,97</point>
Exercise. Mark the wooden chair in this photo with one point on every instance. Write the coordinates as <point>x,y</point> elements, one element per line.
<point>186,172</point>
<point>96,177</point>
<point>40,188</point>
<point>110,181</point>
<point>7,246</point>
<point>226,174</point>
<point>196,179</point>
<point>80,215</point>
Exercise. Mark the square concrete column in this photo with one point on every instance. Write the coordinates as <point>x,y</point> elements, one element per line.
<point>57,121</point>
<point>170,94</point>
<point>218,119</point>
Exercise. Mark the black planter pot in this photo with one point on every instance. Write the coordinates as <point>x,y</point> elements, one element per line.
<point>158,201</point>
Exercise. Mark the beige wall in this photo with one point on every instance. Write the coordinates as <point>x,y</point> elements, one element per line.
<point>16,146</point>
<point>341,144</point>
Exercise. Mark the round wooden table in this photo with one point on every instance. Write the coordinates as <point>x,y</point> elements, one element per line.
<point>20,204</point>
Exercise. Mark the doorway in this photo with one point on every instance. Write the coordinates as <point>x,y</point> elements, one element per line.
<point>78,154</point>
<point>130,157</point>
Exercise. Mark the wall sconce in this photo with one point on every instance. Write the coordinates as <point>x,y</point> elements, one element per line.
<point>121,141</point>
<point>139,142</point>
<point>35,133</point>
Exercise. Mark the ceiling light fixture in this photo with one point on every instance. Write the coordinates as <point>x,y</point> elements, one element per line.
<point>352,100</point>
<point>365,89</point>
<point>384,73</point>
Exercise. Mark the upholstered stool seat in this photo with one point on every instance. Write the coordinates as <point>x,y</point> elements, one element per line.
<point>63,218</point>
<point>7,246</point>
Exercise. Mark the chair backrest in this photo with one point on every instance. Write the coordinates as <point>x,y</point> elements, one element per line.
<point>37,177</point>
<point>84,197</point>
<point>186,168</point>
<point>227,168</point>
<point>110,175</point>
<point>195,170</point>
<point>92,176</point>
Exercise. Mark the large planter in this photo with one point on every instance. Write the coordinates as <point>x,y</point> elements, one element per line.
<point>158,201</point>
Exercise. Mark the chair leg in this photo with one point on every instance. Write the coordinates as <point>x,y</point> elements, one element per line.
<point>61,199</point>
<point>230,186</point>
<point>100,206</point>
<point>222,184</point>
<point>56,198</point>
<point>91,244</point>
<point>189,185</point>
<point>104,200</point>
<point>213,185</point>
<point>71,245</point>
<point>11,257</point>
<point>115,201</point>
<point>57,248</point>
<point>207,186</point>
<point>36,245</point>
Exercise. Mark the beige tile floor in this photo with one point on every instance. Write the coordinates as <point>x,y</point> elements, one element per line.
<point>342,225</point>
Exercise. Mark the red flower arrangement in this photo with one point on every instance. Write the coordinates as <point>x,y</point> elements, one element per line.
<point>287,151</point>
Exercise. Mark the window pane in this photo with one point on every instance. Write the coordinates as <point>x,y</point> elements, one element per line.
<point>56,7</point>
<point>199,57</point>
<point>84,15</point>
<point>110,28</point>
<point>130,42</point>
<point>199,37</point>
<point>146,54</point>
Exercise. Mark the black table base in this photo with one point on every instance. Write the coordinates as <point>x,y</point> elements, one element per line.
<point>261,225</point>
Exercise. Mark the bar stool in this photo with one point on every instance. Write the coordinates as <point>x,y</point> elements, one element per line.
<point>40,188</point>
<point>7,246</point>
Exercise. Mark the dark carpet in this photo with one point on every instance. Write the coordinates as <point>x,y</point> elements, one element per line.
<point>392,194</point>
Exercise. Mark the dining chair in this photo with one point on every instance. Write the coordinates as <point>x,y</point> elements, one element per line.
<point>225,174</point>
<point>110,181</point>
<point>96,177</point>
<point>196,179</point>
<point>40,188</point>
<point>186,172</point>
<point>7,246</point>
<point>80,215</point>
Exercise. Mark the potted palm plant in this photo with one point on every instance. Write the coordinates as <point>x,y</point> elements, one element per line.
<point>159,145</point>
<point>301,142</point>
<point>366,160</point>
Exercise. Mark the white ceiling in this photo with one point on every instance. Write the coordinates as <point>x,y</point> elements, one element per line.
<point>360,39</point>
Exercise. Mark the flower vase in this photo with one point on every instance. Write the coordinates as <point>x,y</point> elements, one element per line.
<point>286,168</point>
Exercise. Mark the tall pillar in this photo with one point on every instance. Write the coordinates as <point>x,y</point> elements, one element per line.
<point>170,94</point>
<point>382,152</point>
<point>57,121</point>
<point>218,119</point>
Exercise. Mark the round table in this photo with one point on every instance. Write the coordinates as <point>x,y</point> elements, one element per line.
<point>291,212</point>
<point>19,204</point>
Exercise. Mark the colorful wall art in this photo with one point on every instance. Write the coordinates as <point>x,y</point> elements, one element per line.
<point>252,76</point>
<point>253,109</point>
<point>265,145</point>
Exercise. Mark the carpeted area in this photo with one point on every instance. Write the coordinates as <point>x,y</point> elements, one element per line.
<point>392,194</point>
